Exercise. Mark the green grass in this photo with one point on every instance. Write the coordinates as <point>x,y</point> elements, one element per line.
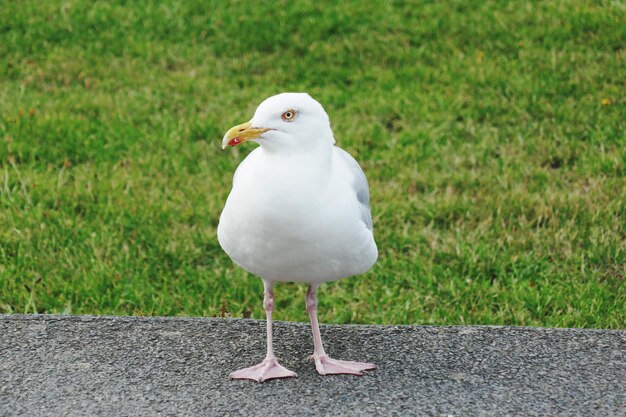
<point>492,134</point>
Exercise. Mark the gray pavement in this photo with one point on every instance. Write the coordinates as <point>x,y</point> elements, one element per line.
<point>131,366</point>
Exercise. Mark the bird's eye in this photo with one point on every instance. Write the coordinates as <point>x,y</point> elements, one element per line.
<point>289,115</point>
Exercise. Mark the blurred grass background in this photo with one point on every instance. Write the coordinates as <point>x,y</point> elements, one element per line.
<point>492,134</point>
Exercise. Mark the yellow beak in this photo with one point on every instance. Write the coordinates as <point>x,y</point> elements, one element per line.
<point>242,133</point>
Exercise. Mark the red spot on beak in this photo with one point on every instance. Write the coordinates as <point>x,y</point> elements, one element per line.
<point>234,141</point>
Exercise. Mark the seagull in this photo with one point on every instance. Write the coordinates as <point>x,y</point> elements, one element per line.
<point>299,212</point>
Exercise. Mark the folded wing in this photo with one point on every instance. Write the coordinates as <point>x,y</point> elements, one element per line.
<point>361,187</point>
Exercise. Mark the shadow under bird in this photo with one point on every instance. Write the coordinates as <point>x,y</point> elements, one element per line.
<point>298,212</point>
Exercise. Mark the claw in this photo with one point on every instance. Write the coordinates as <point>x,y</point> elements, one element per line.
<point>268,369</point>
<point>329,366</point>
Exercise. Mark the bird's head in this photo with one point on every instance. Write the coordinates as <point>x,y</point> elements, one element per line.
<point>287,121</point>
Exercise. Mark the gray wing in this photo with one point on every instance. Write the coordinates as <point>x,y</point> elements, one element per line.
<point>360,187</point>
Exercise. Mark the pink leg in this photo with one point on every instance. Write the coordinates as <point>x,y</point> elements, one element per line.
<point>324,364</point>
<point>269,368</point>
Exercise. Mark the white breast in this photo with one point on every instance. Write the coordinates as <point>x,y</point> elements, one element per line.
<point>293,222</point>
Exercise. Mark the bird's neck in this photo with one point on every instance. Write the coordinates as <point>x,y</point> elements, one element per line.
<point>315,164</point>
<point>310,154</point>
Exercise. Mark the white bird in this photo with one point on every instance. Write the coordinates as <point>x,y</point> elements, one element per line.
<point>298,212</point>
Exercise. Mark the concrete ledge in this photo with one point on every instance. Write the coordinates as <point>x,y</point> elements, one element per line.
<point>131,366</point>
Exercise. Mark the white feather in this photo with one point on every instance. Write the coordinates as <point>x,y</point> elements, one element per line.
<point>299,207</point>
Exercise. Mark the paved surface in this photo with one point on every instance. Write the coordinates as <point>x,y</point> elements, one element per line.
<point>120,366</point>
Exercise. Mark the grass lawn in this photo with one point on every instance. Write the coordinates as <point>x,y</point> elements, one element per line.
<point>492,133</point>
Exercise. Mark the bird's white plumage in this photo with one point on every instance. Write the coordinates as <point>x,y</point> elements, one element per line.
<point>299,206</point>
<point>298,211</point>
